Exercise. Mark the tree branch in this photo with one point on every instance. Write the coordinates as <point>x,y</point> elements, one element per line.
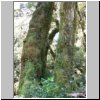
<point>57,23</point>
<point>53,33</point>
<point>50,38</point>
<point>52,53</point>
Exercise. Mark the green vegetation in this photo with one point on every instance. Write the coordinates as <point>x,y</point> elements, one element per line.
<point>52,69</point>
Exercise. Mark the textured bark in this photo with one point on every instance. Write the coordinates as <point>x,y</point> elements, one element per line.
<point>33,58</point>
<point>82,24</point>
<point>65,49</point>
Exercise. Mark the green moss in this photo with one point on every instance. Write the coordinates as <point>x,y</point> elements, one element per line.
<point>27,74</point>
<point>29,71</point>
<point>26,89</point>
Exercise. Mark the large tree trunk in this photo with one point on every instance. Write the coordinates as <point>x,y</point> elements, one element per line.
<point>65,50</point>
<point>33,58</point>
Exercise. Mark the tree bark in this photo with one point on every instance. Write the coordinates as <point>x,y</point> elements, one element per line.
<point>65,49</point>
<point>82,24</point>
<point>33,60</point>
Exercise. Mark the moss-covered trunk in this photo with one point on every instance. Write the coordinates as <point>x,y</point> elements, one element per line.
<point>65,50</point>
<point>33,60</point>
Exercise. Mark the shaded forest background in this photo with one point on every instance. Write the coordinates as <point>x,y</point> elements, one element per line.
<point>50,49</point>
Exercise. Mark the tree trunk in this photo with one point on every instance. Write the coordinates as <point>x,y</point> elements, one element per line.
<point>65,49</point>
<point>33,60</point>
